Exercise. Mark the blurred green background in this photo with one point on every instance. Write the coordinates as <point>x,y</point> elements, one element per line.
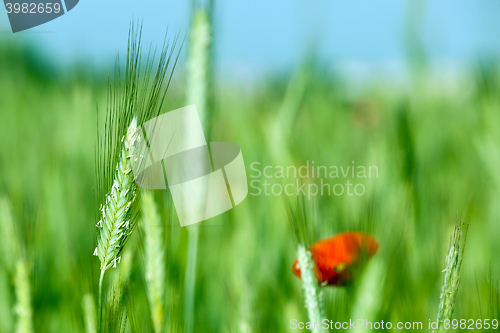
<point>434,140</point>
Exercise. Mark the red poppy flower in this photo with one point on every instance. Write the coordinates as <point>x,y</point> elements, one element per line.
<point>338,258</point>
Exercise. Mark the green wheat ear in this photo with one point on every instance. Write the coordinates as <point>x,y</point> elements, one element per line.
<point>117,222</point>
<point>132,99</point>
<point>154,258</point>
<point>451,280</point>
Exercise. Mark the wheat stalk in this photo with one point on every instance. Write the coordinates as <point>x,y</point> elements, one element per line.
<point>154,256</point>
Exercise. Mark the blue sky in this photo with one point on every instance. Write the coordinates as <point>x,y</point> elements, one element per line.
<point>266,35</point>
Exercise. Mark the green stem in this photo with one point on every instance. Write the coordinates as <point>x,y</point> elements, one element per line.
<point>99,305</point>
<point>190,279</point>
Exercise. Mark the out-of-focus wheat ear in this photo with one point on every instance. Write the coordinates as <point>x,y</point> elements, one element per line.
<point>23,310</point>
<point>451,280</point>
<point>301,231</point>
<point>14,257</point>
<point>198,61</point>
<point>196,93</point>
<point>312,293</point>
<point>89,313</point>
<point>154,258</point>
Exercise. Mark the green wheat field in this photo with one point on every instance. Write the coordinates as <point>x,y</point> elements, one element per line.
<point>435,144</point>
